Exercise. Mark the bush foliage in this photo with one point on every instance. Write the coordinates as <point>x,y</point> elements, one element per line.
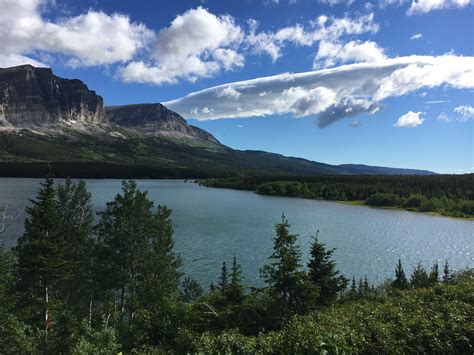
<point>72,286</point>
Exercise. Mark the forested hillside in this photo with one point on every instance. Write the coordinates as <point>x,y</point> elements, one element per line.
<point>75,286</point>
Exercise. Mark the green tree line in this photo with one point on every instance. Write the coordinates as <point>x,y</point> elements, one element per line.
<point>450,195</point>
<point>75,286</point>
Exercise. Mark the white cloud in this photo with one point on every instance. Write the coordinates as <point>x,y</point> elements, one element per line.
<point>196,44</point>
<point>93,38</point>
<point>409,120</point>
<point>429,72</point>
<point>384,3</point>
<point>200,44</point>
<point>466,112</point>
<point>323,28</point>
<point>329,94</point>
<point>303,102</point>
<point>425,6</point>
<point>229,58</point>
<point>330,53</point>
<point>229,92</point>
<point>337,2</point>
<point>416,36</point>
<point>443,117</point>
<point>462,113</point>
<point>11,60</point>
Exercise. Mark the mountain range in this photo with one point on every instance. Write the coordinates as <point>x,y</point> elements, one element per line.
<point>48,120</point>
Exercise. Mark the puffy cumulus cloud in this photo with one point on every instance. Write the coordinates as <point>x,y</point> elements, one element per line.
<point>409,120</point>
<point>201,44</point>
<point>196,44</point>
<point>425,6</point>
<point>323,28</point>
<point>328,94</point>
<point>93,38</point>
<point>330,53</point>
<point>466,113</point>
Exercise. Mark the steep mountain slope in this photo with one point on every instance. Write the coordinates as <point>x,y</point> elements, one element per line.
<point>156,119</point>
<point>46,119</point>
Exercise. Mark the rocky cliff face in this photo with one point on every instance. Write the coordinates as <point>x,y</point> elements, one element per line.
<point>155,119</point>
<point>35,97</point>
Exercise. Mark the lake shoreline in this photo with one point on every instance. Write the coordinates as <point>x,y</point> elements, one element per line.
<point>430,213</point>
<point>352,203</point>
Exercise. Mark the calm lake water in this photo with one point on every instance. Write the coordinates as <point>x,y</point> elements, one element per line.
<point>212,225</point>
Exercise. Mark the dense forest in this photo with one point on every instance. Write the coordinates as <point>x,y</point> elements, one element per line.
<point>75,286</point>
<point>449,195</point>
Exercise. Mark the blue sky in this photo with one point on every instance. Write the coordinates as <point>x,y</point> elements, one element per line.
<point>391,82</point>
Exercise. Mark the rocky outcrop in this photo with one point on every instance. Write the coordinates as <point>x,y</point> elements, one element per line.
<point>155,119</point>
<point>35,97</point>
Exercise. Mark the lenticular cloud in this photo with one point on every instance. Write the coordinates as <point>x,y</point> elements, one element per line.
<point>329,94</point>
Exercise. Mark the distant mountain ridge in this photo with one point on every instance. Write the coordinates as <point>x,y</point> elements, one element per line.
<point>380,170</point>
<point>48,119</point>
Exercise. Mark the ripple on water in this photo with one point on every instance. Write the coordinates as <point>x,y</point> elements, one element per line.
<point>211,225</point>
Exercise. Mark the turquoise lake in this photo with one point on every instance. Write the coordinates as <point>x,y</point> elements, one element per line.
<point>212,225</point>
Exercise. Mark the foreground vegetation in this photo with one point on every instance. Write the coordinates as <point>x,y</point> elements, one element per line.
<point>448,195</point>
<point>72,286</point>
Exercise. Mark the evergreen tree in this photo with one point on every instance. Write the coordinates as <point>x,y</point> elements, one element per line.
<point>434,274</point>
<point>353,291</point>
<point>155,310</point>
<point>224,278</point>
<point>419,277</point>
<point>41,263</point>
<point>236,289</point>
<point>76,227</point>
<point>447,274</point>
<point>191,290</point>
<point>6,281</point>
<point>284,274</point>
<point>139,265</point>
<point>400,281</point>
<point>366,286</point>
<point>323,274</point>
